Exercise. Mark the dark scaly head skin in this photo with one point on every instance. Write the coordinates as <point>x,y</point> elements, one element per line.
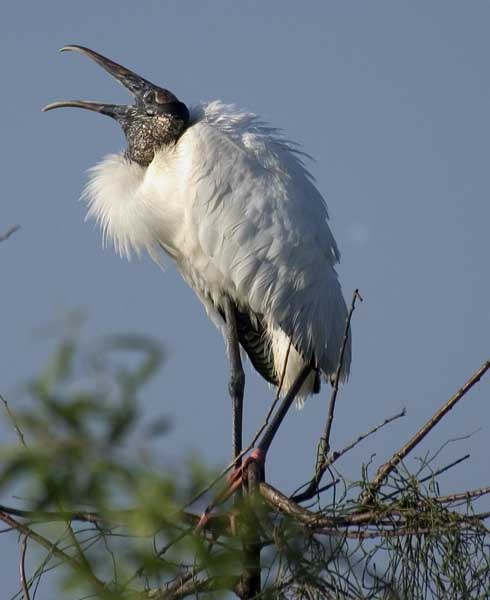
<point>146,134</point>
<point>156,119</point>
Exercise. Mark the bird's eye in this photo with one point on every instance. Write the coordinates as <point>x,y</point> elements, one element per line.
<point>149,96</point>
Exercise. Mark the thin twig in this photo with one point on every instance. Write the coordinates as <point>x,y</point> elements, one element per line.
<point>396,532</point>
<point>45,516</point>
<point>463,495</point>
<point>312,488</point>
<point>388,467</point>
<point>78,549</point>
<point>445,468</point>
<point>83,559</point>
<point>9,232</point>
<point>22,567</point>
<point>45,543</point>
<point>324,445</point>
<point>335,389</point>
<point>13,421</point>
<point>432,475</point>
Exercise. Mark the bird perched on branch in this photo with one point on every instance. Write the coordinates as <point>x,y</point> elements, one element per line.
<point>231,202</point>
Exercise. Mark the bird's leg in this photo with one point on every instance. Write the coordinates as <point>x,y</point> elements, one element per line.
<point>277,419</point>
<point>236,383</point>
<point>239,475</point>
<point>259,454</point>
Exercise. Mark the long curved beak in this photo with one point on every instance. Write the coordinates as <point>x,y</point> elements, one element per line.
<point>111,110</point>
<point>135,84</point>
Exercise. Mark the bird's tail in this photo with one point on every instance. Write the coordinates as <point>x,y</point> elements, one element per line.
<point>288,364</point>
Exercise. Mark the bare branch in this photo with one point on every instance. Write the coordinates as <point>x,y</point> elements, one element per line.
<point>312,488</point>
<point>335,388</point>
<point>390,516</point>
<point>13,421</point>
<point>388,467</point>
<point>22,568</point>
<point>469,495</point>
<point>9,232</point>
<point>324,445</point>
<point>44,516</point>
<point>45,543</point>
<point>191,586</point>
<point>445,468</point>
<point>432,475</point>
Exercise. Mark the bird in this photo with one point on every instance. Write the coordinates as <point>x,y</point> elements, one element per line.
<point>230,200</point>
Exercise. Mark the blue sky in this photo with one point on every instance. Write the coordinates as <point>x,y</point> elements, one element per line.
<point>392,101</point>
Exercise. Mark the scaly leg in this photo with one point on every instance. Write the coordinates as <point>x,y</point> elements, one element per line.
<point>258,455</point>
<point>260,452</point>
<point>236,383</point>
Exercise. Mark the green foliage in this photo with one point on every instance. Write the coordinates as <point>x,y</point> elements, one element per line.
<point>103,509</point>
<point>84,454</point>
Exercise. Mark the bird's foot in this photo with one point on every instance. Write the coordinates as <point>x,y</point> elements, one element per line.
<point>236,479</point>
<point>239,476</point>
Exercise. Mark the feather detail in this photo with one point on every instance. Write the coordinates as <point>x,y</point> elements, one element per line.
<point>234,206</point>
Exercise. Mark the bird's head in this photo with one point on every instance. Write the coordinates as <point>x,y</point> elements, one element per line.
<point>157,118</point>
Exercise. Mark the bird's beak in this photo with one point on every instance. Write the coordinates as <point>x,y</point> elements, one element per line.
<point>135,84</point>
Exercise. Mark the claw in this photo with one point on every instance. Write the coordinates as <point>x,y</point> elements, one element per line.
<point>235,481</point>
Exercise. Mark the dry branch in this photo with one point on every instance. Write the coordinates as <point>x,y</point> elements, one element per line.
<point>388,467</point>
<point>313,488</point>
<point>13,421</point>
<point>191,586</point>
<point>22,569</point>
<point>469,495</point>
<point>381,517</point>
<point>5,236</point>
<point>324,445</point>
<point>335,388</point>
<point>45,543</point>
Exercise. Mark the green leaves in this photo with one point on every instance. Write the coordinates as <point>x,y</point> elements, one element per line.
<point>84,453</point>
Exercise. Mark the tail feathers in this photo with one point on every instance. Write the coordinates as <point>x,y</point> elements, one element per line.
<point>288,362</point>
<point>273,356</point>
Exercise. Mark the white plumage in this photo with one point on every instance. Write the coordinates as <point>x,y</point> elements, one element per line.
<point>234,206</point>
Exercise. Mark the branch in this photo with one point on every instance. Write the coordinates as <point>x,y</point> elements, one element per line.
<point>13,421</point>
<point>464,495</point>
<point>45,543</point>
<point>312,488</point>
<point>324,446</point>
<point>335,389</point>
<point>22,568</point>
<point>192,585</point>
<point>442,470</point>
<point>47,516</point>
<point>432,475</point>
<point>388,467</point>
<point>9,232</point>
<point>380,517</point>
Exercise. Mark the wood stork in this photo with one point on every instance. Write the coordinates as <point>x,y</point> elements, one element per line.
<point>231,202</point>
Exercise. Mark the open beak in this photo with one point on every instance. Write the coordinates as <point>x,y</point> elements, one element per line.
<point>135,84</point>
